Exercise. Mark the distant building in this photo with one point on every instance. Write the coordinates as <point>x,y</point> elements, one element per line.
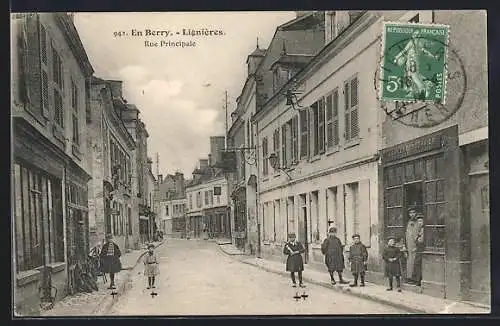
<point>207,197</point>
<point>50,80</point>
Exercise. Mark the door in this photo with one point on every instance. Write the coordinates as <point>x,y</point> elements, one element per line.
<point>413,197</point>
<point>302,236</point>
<point>480,237</point>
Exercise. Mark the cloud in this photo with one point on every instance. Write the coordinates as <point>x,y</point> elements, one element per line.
<point>166,84</point>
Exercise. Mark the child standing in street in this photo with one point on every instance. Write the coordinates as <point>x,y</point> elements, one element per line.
<point>151,269</point>
<point>358,256</point>
<point>294,261</point>
<point>392,256</point>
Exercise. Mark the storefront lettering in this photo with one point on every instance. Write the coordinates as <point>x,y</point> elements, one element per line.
<point>413,147</point>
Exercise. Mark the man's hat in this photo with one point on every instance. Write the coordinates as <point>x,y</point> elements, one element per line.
<point>392,237</point>
<point>109,236</point>
<point>151,246</point>
<point>291,235</point>
<point>332,229</point>
<point>412,208</point>
<point>355,236</point>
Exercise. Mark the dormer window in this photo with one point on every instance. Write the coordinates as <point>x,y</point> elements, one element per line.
<point>280,76</point>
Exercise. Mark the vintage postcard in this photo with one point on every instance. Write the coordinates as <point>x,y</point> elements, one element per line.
<point>250,163</point>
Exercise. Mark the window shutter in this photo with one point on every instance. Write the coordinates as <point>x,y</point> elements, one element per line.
<point>364,216</point>
<point>335,117</point>
<point>354,108</point>
<point>295,144</point>
<point>304,133</point>
<point>33,62</point>
<point>321,126</point>
<point>346,111</point>
<point>283,145</point>
<point>45,93</point>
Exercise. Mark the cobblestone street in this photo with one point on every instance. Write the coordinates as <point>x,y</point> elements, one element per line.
<point>197,279</point>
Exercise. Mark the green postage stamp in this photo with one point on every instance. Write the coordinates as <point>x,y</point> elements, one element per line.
<point>414,62</point>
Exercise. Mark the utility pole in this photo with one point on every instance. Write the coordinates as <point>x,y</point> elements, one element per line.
<point>225,108</point>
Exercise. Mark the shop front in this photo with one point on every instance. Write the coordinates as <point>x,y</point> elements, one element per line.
<point>421,208</point>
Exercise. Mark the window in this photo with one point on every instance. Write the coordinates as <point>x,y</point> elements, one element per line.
<point>190,201</point>
<point>58,109</point>
<point>332,119</point>
<point>166,210</point>
<point>198,199</point>
<point>290,215</point>
<point>265,158</point>
<point>318,131</point>
<point>248,132</point>
<point>314,209</point>
<point>207,202</point>
<point>76,137</point>
<point>304,135</point>
<point>351,109</point>
<point>57,69</point>
<point>435,204</point>
<point>211,197</point>
<point>276,147</point>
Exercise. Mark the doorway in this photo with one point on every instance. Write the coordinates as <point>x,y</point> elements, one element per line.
<point>480,237</point>
<point>413,198</point>
<point>302,236</point>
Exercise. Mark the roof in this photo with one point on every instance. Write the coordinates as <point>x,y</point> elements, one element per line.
<point>258,52</point>
<point>297,60</point>
<point>305,21</point>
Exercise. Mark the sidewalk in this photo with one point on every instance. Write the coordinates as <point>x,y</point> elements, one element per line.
<point>98,302</point>
<point>407,300</point>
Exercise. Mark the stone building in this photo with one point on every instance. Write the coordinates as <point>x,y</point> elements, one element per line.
<point>441,165</point>
<point>172,194</point>
<point>112,207</point>
<point>316,169</point>
<point>137,129</point>
<point>50,77</point>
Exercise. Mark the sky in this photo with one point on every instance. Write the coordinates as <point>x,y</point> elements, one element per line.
<point>179,91</point>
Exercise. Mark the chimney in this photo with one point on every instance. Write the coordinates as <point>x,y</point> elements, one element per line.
<point>299,14</point>
<point>217,144</point>
<point>160,178</point>
<point>210,160</point>
<point>179,184</point>
<point>203,164</point>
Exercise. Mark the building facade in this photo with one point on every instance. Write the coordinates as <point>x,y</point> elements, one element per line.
<point>172,214</point>
<point>137,128</point>
<point>207,203</point>
<point>112,207</point>
<point>302,36</point>
<point>318,157</point>
<point>50,78</point>
<point>441,166</point>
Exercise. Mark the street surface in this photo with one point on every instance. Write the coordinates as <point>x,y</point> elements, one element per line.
<point>196,278</point>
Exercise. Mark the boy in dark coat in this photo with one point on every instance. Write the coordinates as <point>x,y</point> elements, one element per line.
<point>392,257</point>
<point>110,256</point>
<point>332,248</point>
<point>358,256</point>
<point>294,262</point>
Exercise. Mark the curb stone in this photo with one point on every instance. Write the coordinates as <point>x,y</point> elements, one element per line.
<point>107,303</point>
<point>345,290</point>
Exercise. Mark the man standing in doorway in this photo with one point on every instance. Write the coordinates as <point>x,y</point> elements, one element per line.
<point>412,229</point>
